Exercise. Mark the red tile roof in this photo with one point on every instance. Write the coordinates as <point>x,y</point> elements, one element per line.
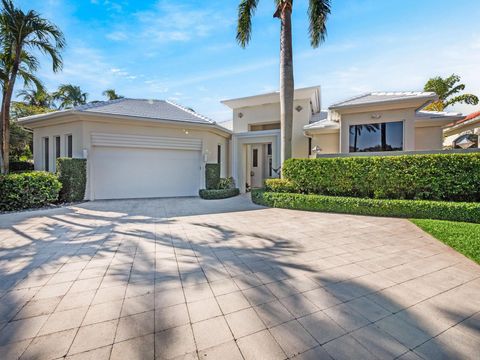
<point>471,116</point>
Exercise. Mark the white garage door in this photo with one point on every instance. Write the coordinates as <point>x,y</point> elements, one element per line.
<point>132,172</point>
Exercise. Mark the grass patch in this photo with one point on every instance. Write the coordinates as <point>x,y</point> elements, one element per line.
<point>461,236</point>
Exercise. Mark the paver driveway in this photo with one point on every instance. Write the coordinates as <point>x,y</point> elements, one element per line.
<point>186,278</point>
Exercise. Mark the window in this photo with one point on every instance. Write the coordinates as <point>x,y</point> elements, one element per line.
<point>219,154</point>
<point>57,147</point>
<point>376,137</point>
<point>255,157</point>
<point>262,127</point>
<point>46,154</point>
<point>269,149</point>
<point>69,145</point>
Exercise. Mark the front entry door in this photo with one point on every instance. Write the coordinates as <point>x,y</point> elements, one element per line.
<point>256,166</point>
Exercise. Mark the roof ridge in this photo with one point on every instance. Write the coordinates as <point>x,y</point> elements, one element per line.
<point>203,117</point>
<point>353,98</point>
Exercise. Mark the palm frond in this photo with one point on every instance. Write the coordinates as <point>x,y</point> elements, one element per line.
<point>246,10</point>
<point>468,99</point>
<point>318,11</point>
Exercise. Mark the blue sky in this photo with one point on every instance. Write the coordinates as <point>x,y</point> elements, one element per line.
<point>186,50</point>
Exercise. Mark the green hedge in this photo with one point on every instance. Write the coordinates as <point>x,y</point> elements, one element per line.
<point>72,173</point>
<point>28,190</point>
<point>421,209</point>
<point>280,186</point>
<point>212,176</point>
<point>450,177</point>
<point>212,194</point>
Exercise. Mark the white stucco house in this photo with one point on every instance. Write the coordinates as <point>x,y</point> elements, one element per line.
<point>151,148</point>
<point>463,133</point>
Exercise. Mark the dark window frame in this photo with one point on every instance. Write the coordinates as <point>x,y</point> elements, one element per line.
<point>69,145</point>
<point>46,154</point>
<point>58,144</point>
<point>380,129</point>
<point>255,158</point>
<point>219,154</point>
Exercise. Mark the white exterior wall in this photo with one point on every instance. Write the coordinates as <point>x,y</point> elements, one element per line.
<point>82,130</point>
<point>428,138</point>
<point>270,113</point>
<point>329,143</point>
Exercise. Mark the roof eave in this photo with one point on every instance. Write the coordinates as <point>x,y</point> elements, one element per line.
<point>428,99</point>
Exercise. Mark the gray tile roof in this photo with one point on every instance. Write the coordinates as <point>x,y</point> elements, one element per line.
<point>380,97</point>
<point>143,108</point>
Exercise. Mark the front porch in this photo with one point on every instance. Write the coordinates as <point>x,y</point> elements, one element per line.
<point>255,157</point>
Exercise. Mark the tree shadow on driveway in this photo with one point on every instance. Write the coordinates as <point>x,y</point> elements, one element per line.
<point>162,279</point>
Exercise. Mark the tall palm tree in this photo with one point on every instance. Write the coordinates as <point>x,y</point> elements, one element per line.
<point>21,34</point>
<point>111,94</point>
<point>448,90</point>
<point>318,12</point>
<point>69,96</point>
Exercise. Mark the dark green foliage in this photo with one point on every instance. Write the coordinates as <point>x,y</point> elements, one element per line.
<point>72,173</point>
<point>218,193</point>
<point>28,190</point>
<point>422,209</point>
<point>279,186</point>
<point>212,176</point>
<point>461,236</point>
<point>21,166</point>
<point>449,177</point>
<point>226,183</point>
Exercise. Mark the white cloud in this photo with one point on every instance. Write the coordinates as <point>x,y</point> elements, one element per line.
<point>117,36</point>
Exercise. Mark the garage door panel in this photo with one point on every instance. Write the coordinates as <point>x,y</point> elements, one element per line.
<point>121,173</point>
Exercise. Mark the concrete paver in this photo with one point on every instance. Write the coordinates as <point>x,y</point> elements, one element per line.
<point>188,278</point>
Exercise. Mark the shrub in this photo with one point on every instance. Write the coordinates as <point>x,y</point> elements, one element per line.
<point>28,190</point>
<point>226,183</point>
<point>212,176</point>
<point>211,194</point>
<point>20,166</point>
<point>72,173</point>
<point>279,185</point>
<point>421,209</point>
<point>450,177</point>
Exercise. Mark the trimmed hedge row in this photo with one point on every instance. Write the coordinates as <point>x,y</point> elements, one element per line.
<point>28,190</point>
<point>212,194</point>
<point>421,209</point>
<point>72,173</point>
<point>450,177</point>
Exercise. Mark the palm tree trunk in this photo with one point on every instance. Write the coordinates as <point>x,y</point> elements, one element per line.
<point>286,82</point>
<point>5,114</point>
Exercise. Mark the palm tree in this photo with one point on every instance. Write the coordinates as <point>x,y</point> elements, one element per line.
<point>70,96</point>
<point>111,94</point>
<point>20,33</point>
<point>446,88</point>
<point>36,97</point>
<point>318,12</point>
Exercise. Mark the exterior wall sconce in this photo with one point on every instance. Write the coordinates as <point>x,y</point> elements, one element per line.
<point>85,153</point>
<point>299,108</point>
<point>317,149</point>
<point>376,116</point>
<point>185,131</point>
<point>240,115</point>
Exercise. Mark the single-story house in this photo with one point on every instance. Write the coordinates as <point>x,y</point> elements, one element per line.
<point>377,122</point>
<point>135,148</point>
<point>463,133</point>
<point>151,148</point>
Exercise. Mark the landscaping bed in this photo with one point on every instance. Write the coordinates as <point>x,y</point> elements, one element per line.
<point>422,209</point>
<point>461,236</point>
<point>213,194</point>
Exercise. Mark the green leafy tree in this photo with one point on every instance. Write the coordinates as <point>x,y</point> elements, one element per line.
<point>21,139</point>
<point>110,94</point>
<point>69,96</point>
<point>318,12</point>
<point>36,97</point>
<point>22,35</point>
<point>448,91</point>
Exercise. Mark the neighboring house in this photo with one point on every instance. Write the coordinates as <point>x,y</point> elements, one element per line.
<point>463,133</point>
<point>151,148</point>
<point>135,148</point>
<point>371,123</point>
